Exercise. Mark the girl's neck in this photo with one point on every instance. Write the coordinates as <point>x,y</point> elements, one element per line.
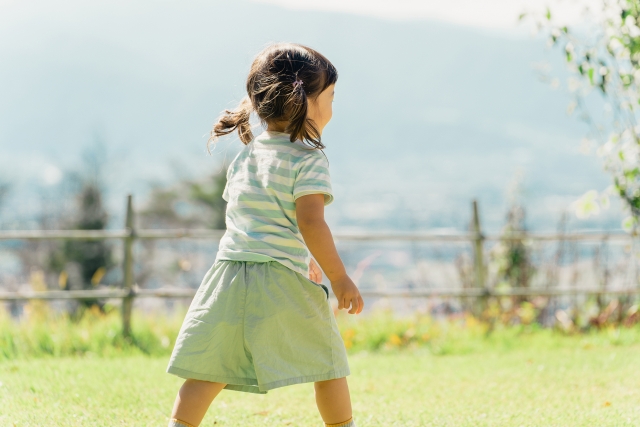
<point>276,127</point>
<point>279,127</point>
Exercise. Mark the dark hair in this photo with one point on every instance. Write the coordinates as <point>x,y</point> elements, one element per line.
<point>282,78</point>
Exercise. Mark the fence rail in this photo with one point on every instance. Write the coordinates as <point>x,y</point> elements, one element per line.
<point>148,234</point>
<point>129,234</point>
<point>418,293</point>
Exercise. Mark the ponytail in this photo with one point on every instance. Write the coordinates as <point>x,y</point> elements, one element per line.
<point>229,121</point>
<point>300,127</point>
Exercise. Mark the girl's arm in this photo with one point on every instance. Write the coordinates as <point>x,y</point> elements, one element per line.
<point>318,238</point>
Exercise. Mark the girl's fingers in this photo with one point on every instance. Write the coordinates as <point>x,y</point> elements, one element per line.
<point>315,274</point>
<point>355,305</point>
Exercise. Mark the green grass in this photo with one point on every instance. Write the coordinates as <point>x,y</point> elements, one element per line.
<point>411,371</point>
<point>564,386</point>
<point>44,334</point>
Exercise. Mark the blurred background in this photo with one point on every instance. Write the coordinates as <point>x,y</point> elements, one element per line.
<point>449,104</point>
<point>436,105</point>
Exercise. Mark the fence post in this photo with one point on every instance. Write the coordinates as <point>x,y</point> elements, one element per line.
<point>478,261</point>
<point>127,270</point>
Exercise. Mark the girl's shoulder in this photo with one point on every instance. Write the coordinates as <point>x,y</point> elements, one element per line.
<point>306,158</point>
<point>298,151</point>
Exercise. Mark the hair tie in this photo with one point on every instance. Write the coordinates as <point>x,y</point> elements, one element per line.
<point>297,83</point>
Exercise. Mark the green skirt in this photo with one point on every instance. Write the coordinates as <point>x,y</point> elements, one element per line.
<point>256,326</point>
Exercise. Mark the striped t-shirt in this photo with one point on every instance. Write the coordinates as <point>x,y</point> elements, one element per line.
<point>263,182</point>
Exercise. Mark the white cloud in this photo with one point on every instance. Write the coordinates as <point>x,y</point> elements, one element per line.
<point>51,175</point>
<point>487,14</point>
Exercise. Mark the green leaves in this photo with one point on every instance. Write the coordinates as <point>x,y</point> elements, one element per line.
<point>607,57</point>
<point>631,175</point>
<point>624,14</point>
<point>568,50</point>
<point>587,205</point>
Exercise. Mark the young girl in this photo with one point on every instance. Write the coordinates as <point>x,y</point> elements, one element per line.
<point>260,318</point>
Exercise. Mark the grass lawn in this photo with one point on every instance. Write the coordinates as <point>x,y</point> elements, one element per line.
<point>581,385</point>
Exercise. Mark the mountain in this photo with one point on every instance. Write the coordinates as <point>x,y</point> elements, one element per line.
<point>427,115</point>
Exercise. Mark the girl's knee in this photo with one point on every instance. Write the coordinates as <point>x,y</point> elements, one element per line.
<point>201,384</point>
<point>195,381</point>
<point>336,382</point>
<point>332,381</point>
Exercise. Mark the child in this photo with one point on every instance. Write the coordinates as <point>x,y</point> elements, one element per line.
<point>257,322</point>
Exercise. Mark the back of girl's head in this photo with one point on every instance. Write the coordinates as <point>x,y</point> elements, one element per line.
<point>282,79</point>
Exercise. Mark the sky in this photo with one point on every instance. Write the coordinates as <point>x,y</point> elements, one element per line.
<point>493,15</point>
<point>496,15</point>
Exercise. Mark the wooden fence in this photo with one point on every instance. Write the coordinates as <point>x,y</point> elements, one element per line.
<point>130,234</point>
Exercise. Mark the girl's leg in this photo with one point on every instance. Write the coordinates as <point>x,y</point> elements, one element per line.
<point>194,399</point>
<point>333,400</point>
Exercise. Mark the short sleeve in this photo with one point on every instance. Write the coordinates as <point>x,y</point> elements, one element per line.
<point>230,171</point>
<point>313,178</point>
<point>225,192</point>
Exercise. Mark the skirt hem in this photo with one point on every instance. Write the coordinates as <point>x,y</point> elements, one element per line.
<point>250,385</point>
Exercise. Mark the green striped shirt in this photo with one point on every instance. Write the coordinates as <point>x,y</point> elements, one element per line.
<point>263,182</point>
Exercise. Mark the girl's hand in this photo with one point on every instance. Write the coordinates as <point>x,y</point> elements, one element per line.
<point>318,238</point>
<point>348,295</point>
<point>315,274</point>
